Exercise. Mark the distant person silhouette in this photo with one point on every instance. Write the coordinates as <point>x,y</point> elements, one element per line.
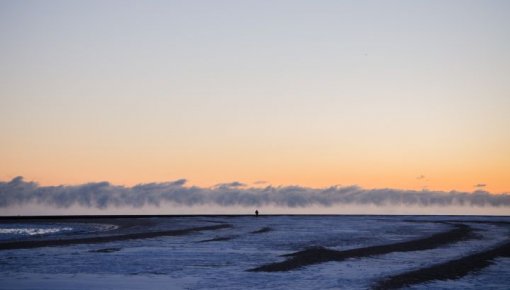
<point>256,213</point>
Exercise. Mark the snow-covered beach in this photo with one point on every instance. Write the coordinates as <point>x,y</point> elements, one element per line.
<point>230,252</point>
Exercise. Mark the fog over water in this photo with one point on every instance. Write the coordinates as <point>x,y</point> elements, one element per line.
<point>103,195</point>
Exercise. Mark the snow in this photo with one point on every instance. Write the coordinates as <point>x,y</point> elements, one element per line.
<point>20,231</point>
<point>186,262</point>
<point>32,231</point>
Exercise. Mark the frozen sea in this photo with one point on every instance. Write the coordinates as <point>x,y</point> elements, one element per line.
<point>221,258</point>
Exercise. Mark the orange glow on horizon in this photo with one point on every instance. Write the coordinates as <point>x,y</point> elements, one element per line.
<point>317,179</point>
<point>397,100</point>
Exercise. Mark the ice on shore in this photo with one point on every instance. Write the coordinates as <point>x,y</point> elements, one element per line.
<point>186,262</point>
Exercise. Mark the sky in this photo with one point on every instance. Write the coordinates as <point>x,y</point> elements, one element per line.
<point>408,95</point>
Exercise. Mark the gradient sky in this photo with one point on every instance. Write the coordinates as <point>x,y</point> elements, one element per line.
<point>400,94</point>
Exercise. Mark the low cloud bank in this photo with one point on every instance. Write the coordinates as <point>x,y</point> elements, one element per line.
<point>101,195</point>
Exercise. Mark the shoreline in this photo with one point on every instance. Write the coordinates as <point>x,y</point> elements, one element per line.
<point>313,256</point>
<point>453,269</point>
<point>30,244</point>
<point>122,216</point>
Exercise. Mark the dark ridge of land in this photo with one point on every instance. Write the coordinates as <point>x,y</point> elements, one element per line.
<point>218,239</point>
<point>498,223</point>
<point>106,250</point>
<point>453,269</point>
<point>122,216</point>
<point>321,255</point>
<point>105,239</point>
<point>262,230</point>
<point>58,217</point>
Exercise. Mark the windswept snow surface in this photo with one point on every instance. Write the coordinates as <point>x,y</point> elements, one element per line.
<point>220,259</point>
